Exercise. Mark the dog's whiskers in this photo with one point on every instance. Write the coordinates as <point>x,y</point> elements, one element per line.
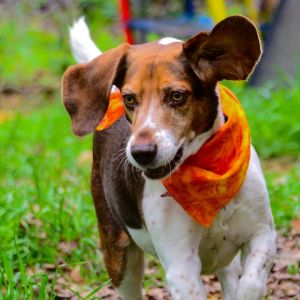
<point>134,170</point>
<point>123,159</point>
<point>121,152</point>
<point>170,172</point>
<point>126,165</point>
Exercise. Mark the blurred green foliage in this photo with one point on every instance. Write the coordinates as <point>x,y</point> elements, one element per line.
<point>274,121</point>
<point>34,41</point>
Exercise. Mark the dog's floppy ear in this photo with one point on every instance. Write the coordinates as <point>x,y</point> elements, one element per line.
<point>230,51</point>
<point>86,88</point>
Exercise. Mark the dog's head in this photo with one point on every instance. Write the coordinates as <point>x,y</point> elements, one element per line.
<point>169,91</point>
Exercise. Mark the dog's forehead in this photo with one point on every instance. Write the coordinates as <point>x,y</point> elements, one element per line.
<point>155,50</point>
<point>149,58</point>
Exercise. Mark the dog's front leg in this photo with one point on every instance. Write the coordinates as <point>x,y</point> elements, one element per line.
<point>229,277</point>
<point>257,261</point>
<point>182,274</point>
<point>176,241</point>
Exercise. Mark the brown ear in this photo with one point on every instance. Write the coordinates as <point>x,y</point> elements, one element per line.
<point>230,51</point>
<point>86,88</point>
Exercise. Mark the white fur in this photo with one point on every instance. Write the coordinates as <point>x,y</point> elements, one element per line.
<point>149,122</point>
<point>187,249</point>
<point>83,48</point>
<point>142,239</point>
<point>168,40</point>
<point>176,243</point>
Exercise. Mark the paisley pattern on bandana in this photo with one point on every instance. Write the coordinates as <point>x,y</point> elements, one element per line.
<point>208,179</point>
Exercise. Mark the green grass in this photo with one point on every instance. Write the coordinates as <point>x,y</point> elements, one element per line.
<point>284,189</point>
<point>274,119</point>
<point>44,200</point>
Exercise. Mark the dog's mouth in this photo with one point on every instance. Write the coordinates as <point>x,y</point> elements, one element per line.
<point>166,169</point>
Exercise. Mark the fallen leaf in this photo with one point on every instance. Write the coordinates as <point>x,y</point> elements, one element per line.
<point>76,276</point>
<point>296,226</point>
<point>67,247</point>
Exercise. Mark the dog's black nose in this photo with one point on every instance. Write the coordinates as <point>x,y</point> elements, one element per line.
<point>144,154</point>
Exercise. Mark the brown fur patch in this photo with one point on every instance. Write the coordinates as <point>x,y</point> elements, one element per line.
<point>114,240</point>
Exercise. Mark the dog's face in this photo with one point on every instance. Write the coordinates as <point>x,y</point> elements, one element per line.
<point>167,106</point>
<point>168,90</point>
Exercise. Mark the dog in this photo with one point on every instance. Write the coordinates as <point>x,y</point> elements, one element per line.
<point>172,109</point>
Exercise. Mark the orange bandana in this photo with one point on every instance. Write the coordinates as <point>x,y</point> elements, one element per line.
<point>114,111</point>
<point>206,181</point>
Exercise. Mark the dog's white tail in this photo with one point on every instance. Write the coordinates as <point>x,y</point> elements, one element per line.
<point>83,47</point>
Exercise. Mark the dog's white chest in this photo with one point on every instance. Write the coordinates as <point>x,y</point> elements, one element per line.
<point>159,214</point>
<point>168,225</point>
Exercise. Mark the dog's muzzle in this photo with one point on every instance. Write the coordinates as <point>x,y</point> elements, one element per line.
<point>166,169</point>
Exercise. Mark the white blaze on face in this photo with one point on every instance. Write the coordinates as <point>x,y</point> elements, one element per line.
<point>163,138</point>
<point>149,123</point>
<point>166,146</point>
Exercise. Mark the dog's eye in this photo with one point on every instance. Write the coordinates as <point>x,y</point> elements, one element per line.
<point>129,100</point>
<point>178,97</point>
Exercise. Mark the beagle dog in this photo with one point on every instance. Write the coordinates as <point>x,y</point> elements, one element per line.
<point>172,105</point>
